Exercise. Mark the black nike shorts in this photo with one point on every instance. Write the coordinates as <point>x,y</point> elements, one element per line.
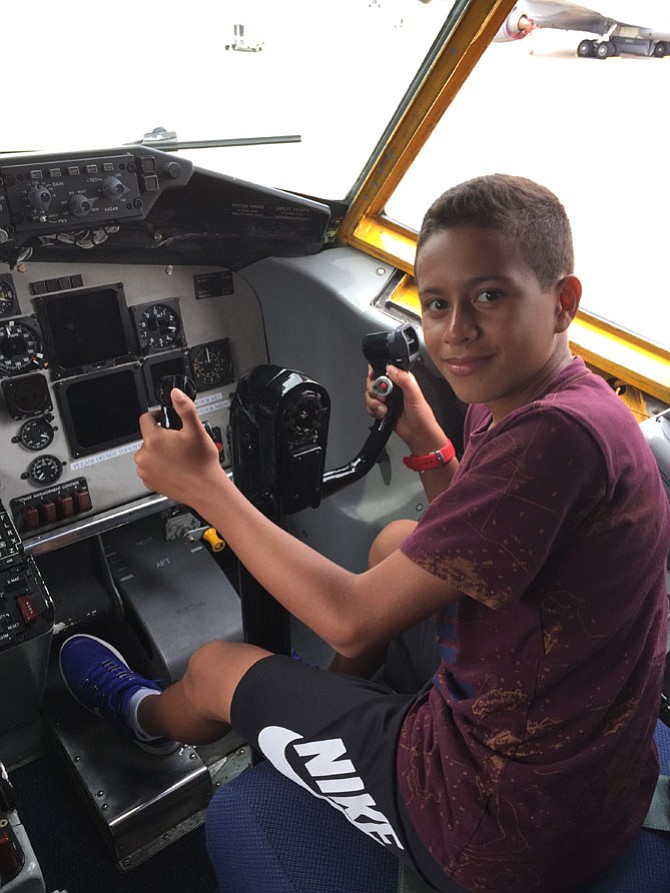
<point>336,736</point>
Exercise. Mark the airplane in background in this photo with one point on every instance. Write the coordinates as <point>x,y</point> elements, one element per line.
<point>614,36</point>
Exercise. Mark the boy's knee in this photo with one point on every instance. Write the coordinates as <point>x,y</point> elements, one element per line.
<point>206,664</point>
<point>389,539</point>
<point>213,673</point>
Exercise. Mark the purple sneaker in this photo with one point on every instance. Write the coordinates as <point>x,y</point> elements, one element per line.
<point>98,678</point>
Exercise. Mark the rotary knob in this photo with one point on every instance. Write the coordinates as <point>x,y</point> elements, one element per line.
<point>113,188</point>
<point>39,197</point>
<point>80,205</point>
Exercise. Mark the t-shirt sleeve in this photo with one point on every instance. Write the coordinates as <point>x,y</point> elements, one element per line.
<point>520,490</point>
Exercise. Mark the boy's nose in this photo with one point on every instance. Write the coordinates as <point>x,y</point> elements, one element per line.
<point>461,326</point>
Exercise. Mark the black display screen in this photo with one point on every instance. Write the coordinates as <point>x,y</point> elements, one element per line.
<point>103,410</point>
<point>85,330</point>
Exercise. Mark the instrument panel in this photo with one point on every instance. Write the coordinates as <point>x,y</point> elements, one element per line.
<point>82,351</point>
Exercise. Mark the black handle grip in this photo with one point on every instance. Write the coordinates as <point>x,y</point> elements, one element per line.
<point>169,417</point>
<point>400,348</point>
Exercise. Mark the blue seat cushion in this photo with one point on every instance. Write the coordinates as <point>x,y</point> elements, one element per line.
<point>266,834</point>
<point>644,867</point>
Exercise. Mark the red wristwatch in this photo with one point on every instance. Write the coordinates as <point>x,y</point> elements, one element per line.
<point>436,459</point>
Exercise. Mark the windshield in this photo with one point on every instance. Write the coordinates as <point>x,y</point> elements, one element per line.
<point>582,112</point>
<point>94,75</point>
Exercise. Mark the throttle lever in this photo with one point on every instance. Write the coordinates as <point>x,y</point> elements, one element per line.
<point>169,417</point>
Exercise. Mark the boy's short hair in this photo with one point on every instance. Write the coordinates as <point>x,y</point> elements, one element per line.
<point>529,214</point>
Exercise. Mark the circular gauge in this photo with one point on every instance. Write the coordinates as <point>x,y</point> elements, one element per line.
<point>36,434</point>
<point>158,327</point>
<point>45,470</point>
<point>212,364</point>
<point>7,297</point>
<point>20,347</point>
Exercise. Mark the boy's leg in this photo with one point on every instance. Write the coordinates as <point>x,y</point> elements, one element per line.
<point>386,542</point>
<point>409,660</point>
<point>195,710</point>
<point>335,736</point>
<point>389,539</point>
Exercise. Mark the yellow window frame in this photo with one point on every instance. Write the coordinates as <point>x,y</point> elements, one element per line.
<point>613,351</point>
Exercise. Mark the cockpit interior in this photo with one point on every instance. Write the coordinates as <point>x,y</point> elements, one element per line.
<point>125,266</point>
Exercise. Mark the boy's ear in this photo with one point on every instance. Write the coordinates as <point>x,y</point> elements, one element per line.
<point>569,293</point>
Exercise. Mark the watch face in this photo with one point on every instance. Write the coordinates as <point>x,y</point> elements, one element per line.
<point>158,327</point>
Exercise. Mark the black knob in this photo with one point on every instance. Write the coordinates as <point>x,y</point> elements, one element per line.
<point>113,188</point>
<point>39,197</point>
<point>80,205</point>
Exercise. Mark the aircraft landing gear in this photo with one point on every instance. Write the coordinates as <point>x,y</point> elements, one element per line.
<point>586,49</point>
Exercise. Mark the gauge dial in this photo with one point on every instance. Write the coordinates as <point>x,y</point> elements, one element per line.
<point>212,364</point>
<point>45,470</point>
<point>158,327</point>
<point>20,348</point>
<point>7,296</point>
<point>36,434</point>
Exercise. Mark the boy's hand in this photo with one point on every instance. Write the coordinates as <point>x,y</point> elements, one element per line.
<point>417,424</point>
<point>178,463</point>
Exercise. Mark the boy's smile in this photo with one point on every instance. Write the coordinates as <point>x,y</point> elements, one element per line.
<point>495,334</point>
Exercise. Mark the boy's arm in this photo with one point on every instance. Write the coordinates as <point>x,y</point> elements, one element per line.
<point>416,426</point>
<point>353,613</point>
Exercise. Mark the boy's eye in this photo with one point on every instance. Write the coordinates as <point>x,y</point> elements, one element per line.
<point>488,296</point>
<point>434,306</point>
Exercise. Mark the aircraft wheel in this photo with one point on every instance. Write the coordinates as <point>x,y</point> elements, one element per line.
<point>585,49</point>
<point>603,50</point>
<point>661,49</point>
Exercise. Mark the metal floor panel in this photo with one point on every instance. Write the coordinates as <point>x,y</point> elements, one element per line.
<point>140,802</point>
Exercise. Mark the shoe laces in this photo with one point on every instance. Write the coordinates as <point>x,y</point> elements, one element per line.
<point>109,685</point>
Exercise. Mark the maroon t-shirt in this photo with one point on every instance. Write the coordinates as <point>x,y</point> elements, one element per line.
<point>530,763</point>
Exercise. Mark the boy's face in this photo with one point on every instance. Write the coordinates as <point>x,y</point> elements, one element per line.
<point>492,331</point>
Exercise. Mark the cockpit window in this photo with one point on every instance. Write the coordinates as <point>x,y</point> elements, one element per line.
<point>298,91</point>
<point>574,99</point>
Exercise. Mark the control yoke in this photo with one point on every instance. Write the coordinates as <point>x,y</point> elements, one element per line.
<point>279,427</point>
<point>381,349</point>
<point>277,439</point>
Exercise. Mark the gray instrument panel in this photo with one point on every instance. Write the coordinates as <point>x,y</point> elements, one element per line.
<point>82,348</point>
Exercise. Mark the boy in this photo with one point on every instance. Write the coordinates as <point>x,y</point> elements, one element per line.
<point>527,761</point>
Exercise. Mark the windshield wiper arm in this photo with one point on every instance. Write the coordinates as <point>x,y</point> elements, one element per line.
<point>167,140</point>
